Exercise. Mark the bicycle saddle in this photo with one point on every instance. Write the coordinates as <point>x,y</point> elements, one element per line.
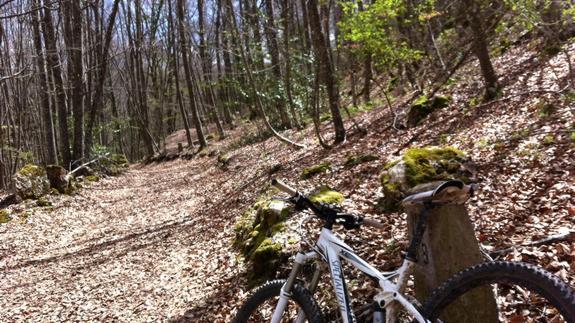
<point>449,192</point>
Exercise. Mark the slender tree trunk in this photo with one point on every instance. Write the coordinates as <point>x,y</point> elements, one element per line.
<point>286,16</point>
<point>44,95</point>
<point>481,50</point>
<point>72,13</point>
<point>271,36</point>
<point>253,84</point>
<point>174,60</point>
<point>102,69</point>
<point>367,76</point>
<point>326,69</point>
<point>54,67</point>
<point>188,74</point>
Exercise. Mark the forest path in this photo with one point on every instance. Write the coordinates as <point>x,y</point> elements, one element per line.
<point>130,248</point>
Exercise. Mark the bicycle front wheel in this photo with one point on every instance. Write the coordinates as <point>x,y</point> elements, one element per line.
<point>523,293</point>
<point>261,304</point>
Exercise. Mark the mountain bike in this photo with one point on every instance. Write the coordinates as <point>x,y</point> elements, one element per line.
<point>542,296</point>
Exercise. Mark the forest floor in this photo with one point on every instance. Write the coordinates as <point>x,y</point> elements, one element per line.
<point>155,243</point>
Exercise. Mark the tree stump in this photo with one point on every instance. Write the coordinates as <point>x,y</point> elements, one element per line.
<point>448,246</point>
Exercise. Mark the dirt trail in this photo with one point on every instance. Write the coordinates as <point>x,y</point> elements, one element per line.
<point>131,248</point>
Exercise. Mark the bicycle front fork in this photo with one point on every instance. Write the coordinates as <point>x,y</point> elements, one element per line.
<point>285,293</point>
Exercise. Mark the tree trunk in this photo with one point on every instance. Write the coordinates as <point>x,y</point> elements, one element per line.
<point>54,67</point>
<point>481,50</point>
<point>449,245</point>
<point>72,13</point>
<point>44,95</point>
<point>271,36</point>
<point>188,74</point>
<point>175,68</point>
<point>102,69</point>
<point>367,76</point>
<point>326,69</point>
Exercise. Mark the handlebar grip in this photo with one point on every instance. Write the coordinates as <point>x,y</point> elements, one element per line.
<point>283,187</point>
<point>373,223</point>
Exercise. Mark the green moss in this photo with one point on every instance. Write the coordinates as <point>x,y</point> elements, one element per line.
<point>5,216</point>
<point>316,169</point>
<point>423,106</point>
<point>32,170</point>
<point>544,109</point>
<point>43,202</point>
<point>431,163</point>
<point>573,136</point>
<point>354,160</point>
<point>327,195</point>
<point>120,159</point>
<point>254,236</point>
<point>92,178</point>
<point>548,140</point>
<point>210,136</point>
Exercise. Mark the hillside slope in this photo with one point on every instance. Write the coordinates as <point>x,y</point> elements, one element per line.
<point>155,243</point>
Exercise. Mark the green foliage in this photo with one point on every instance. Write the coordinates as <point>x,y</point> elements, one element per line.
<point>316,169</point>
<point>375,28</point>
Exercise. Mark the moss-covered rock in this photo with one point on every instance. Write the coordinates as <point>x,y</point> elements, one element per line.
<point>30,182</point>
<point>112,165</point>
<point>316,169</point>
<point>5,216</point>
<point>419,166</point>
<point>92,178</point>
<point>423,106</point>
<point>326,195</point>
<point>261,238</point>
<point>354,160</point>
<point>43,202</point>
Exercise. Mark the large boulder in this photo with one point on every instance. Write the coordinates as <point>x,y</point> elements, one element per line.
<point>57,177</point>
<point>423,106</point>
<point>420,166</point>
<point>262,237</point>
<point>30,182</point>
<point>112,165</point>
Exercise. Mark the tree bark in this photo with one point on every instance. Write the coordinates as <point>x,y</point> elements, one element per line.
<point>72,14</point>
<point>273,48</point>
<point>102,71</point>
<point>54,67</point>
<point>188,74</point>
<point>175,68</point>
<point>449,245</point>
<point>481,50</point>
<point>326,69</point>
<point>44,95</point>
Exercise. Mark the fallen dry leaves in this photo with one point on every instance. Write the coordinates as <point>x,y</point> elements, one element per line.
<point>155,243</point>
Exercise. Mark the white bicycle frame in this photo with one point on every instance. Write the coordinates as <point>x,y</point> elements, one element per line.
<point>331,250</point>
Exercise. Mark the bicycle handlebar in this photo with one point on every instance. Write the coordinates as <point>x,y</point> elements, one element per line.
<point>325,211</point>
<point>283,187</point>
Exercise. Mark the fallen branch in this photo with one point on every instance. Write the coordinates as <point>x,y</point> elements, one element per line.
<point>549,240</point>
